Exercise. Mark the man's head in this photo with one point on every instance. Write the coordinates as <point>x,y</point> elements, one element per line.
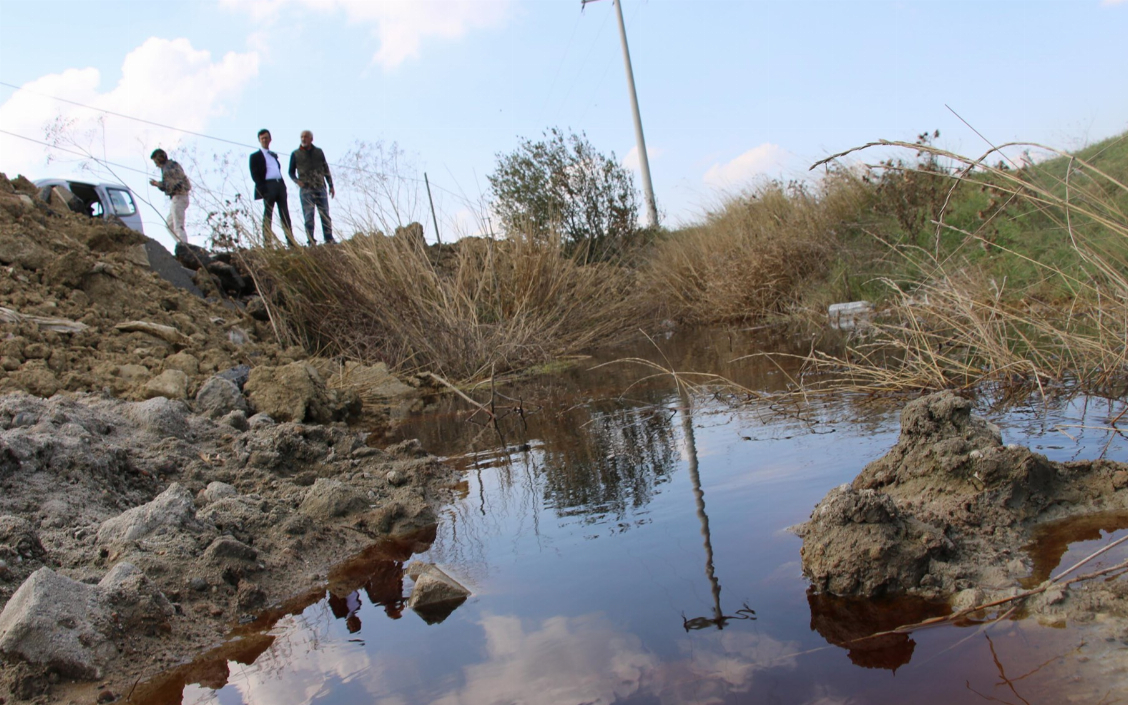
<point>159,157</point>
<point>264,138</point>
<point>307,138</point>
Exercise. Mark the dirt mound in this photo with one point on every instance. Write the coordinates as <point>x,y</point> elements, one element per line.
<point>948,516</point>
<point>146,481</point>
<point>223,522</point>
<point>63,265</point>
<point>948,508</point>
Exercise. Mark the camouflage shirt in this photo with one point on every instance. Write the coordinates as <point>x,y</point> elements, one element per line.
<point>173,179</point>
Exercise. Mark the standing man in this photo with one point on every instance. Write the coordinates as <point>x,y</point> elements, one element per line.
<point>266,172</point>
<point>310,171</point>
<point>174,183</point>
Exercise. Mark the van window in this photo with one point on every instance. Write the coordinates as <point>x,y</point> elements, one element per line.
<point>122,201</point>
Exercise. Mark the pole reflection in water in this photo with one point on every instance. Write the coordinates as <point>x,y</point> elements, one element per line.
<point>719,619</point>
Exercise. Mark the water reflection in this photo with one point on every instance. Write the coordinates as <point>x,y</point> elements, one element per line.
<point>851,622</point>
<point>1050,542</point>
<point>576,531</point>
<point>719,618</point>
<point>377,571</point>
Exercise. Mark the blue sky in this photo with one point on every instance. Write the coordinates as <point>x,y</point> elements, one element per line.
<point>730,91</point>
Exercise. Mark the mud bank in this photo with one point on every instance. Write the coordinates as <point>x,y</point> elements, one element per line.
<point>135,534</point>
<point>168,471</point>
<point>947,515</point>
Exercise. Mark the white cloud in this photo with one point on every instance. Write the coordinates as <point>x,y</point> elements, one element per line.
<point>586,659</point>
<point>1107,3</point>
<point>581,659</point>
<point>400,26</point>
<point>163,81</point>
<point>755,162</point>
<point>631,161</point>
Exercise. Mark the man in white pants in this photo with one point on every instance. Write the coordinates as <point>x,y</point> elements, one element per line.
<point>174,183</point>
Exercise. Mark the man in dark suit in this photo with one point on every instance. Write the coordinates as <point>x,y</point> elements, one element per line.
<point>266,172</point>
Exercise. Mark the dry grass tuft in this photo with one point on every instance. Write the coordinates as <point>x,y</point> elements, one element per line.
<point>463,311</point>
<point>753,256</point>
<point>960,326</point>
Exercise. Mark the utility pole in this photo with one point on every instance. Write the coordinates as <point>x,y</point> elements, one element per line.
<point>643,162</point>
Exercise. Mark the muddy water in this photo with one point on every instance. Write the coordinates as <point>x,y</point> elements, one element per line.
<point>627,543</point>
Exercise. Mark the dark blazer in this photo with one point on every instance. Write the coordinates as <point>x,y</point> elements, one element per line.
<point>258,172</point>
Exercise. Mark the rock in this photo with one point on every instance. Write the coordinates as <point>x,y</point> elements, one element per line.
<point>23,252</point>
<point>330,498</point>
<point>171,509</point>
<point>133,373</point>
<point>236,420</point>
<point>171,384</point>
<point>183,361</point>
<point>396,478</point>
<point>373,381</point>
<point>191,256</point>
<point>296,392</point>
<point>238,375</point>
<point>65,625</point>
<point>228,276</point>
<point>216,491</point>
<point>229,559</point>
<point>435,594</point>
<point>161,416</point>
<point>880,534</point>
<point>249,596</point>
<point>19,537</point>
<point>226,547</point>
<point>219,397</point>
<point>256,308</point>
<point>238,336</point>
<point>260,421</point>
<point>36,378</point>
<point>235,515</point>
<point>48,622</point>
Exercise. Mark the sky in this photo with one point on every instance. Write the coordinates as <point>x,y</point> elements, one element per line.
<point>731,92</point>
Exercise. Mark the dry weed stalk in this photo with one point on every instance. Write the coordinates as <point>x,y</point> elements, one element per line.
<point>751,257</point>
<point>953,329</point>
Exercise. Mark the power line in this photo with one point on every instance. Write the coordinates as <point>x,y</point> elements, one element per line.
<point>583,65</point>
<point>84,155</point>
<point>175,129</point>
<point>349,167</point>
<point>121,115</point>
<point>567,48</point>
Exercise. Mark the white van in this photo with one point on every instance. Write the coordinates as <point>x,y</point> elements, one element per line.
<point>109,201</point>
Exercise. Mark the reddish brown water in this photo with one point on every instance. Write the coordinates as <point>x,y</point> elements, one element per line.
<point>625,548</point>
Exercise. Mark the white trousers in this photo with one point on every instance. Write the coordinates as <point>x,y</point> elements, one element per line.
<point>176,217</point>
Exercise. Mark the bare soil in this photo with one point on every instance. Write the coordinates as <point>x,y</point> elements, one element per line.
<point>103,463</point>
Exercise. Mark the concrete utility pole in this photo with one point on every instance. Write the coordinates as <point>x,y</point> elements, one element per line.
<point>644,163</point>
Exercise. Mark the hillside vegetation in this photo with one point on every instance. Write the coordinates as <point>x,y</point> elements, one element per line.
<point>1011,270</point>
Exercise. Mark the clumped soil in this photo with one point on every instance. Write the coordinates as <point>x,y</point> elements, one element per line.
<point>948,515</point>
<point>173,519</point>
